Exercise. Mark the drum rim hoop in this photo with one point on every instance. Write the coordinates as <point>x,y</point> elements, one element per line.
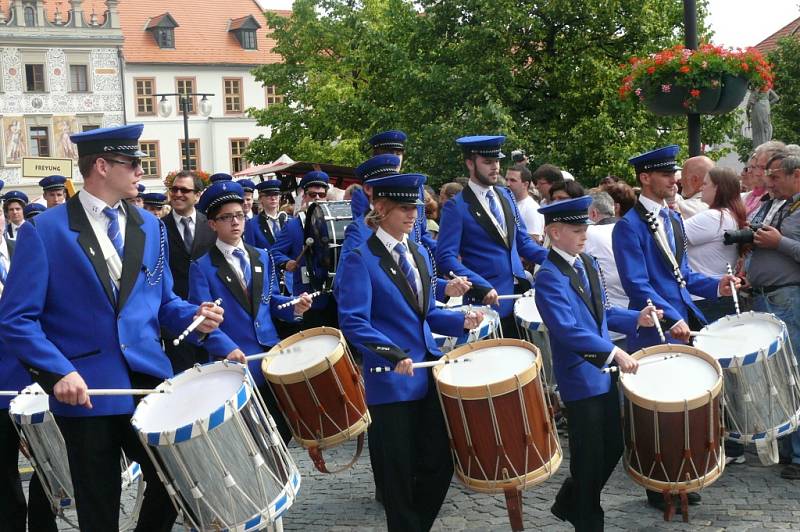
<point>529,479</point>
<point>312,371</point>
<point>751,358</point>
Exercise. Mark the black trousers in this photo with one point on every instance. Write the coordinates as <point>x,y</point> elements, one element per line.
<point>13,509</point>
<point>415,460</point>
<point>184,355</point>
<point>592,458</point>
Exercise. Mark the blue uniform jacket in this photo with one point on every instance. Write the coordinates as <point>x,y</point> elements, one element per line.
<point>248,317</point>
<point>487,259</point>
<point>578,325</point>
<point>59,313</point>
<point>288,245</point>
<point>257,232</point>
<point>13,375</point>
<point>646,272</point>
<point>380,316</point>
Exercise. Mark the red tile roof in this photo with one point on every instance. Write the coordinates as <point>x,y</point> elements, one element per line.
<point>202,35</point>
<point>769,44</point>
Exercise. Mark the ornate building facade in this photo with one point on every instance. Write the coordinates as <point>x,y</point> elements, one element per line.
<point>62,73</point>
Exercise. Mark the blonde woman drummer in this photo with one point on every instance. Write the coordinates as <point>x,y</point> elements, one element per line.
<point>387,311</point>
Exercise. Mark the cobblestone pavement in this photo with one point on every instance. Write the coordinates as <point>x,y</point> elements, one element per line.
<point>747,497</point>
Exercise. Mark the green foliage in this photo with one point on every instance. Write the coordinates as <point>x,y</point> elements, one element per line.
<point>546,74</point>
<point>786,113</point>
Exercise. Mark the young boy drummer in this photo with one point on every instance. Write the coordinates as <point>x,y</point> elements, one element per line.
<point>244,278</point>
<point>572,302</point>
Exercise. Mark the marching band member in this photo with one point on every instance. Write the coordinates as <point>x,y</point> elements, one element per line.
<point>32,210</point>
<point>571,299</point>
<point>243,277</point>
<point>249,188</point>
<point>290,252</point>
<point>54,190</point>
<point>153,202</point>
<point>262,230</point>
<point>119,291</point>
<point>14,202</point>
<point>649,249</point>
<point>387,311</point>
<point>481,225</point>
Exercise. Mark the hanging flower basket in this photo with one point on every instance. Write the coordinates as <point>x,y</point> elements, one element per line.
<point>709,80</point>
<point>204,176</point>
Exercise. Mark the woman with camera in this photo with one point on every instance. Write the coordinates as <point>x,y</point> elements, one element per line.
<point>705,233</point>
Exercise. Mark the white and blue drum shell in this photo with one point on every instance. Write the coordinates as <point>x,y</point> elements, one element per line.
<point>217,448</point>
<point>533,329</point>
<point>760,372</point>
<point>488,328</point>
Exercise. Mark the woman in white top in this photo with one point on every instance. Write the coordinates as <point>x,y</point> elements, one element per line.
<point>705,232</point>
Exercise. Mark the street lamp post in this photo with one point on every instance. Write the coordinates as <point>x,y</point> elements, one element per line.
<point>165,109</point>
<point>690,41</point>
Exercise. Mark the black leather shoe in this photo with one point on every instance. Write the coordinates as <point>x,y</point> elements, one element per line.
<point>694,498</point>
<point>558,511</point>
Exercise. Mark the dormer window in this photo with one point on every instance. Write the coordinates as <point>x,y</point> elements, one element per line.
<point>162,28</point>
<point>244,29</point>
<point>30,16</point>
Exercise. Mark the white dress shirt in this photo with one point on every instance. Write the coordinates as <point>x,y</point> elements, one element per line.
<point>481,191</point>
<point>598,245</point>
<point>233,261</point>
<point>655,208</point>
<point>533,219</point>
<point>192,222</point>
<point>691,205</point>
<point>390,242</point>
<point>93,206</point>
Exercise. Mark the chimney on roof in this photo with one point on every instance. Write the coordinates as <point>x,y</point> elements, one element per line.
<point>112,15</point>
<point>77,13</point>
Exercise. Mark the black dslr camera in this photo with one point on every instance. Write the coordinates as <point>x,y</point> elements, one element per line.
<point>742,236</point>
<point>518,156</point>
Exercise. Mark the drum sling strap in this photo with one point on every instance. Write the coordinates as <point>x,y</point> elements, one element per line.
<point>315,453</point>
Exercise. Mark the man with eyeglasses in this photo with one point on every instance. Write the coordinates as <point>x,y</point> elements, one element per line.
<point>774,268</point>
<point>290,252</point>
<point>189,238</point>
<point>85,297</point>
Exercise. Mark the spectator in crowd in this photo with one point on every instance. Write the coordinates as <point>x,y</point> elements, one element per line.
<point>519,179</point>
<point>449,191</point>
<point>690,201</point>
<point>705,231</point>
<point>598,244</point>
<point>624,197</point>
<point>746,180</point>
<point>543,179</point>
<point>562,190</point>
<point>774,268</point>
<point>607,181</point>
<point>348,192</point>
<point>768,205</point>
<point>431,214</point>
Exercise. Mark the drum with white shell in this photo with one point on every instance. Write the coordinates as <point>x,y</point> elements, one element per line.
<point>319,390</point>
<point>217,449</point>
<point>499,419</point>
<point>673,419</point>
<point>535,331</point>
<point>488,328</point>
<point>762,400</point>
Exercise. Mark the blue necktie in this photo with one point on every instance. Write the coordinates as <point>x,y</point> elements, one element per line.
<point>114,233</point>
<point>406,268</point>
<point>246,274</point>
<point>582,275</point>
<point>275,226</point>
<point>667,223</point>
<point>495,210</point>
<point>188,239</point>
<point>3,272</point>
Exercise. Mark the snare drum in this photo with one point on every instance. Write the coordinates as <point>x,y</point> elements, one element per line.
<point>217,449</point>
<point>499,420</point>
<point>534,330</point>
<point>762,401</point>
<point>320,391</point>
<point>673,419</point>
<point>489,328</point>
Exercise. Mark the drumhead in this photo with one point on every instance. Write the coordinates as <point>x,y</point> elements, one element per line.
<point>303,354</point>
<point>527,314</point>
<point>196,393</point>
<point>671,380</point>
<point>738,336</point>
<point>30,405</point>
<point>487,366</point>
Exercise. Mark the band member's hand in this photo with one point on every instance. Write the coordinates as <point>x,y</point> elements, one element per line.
<point>291,266</point>
<point>404,367</point>
<point>646,316</point>
<point>71,389</point>
<point>457,286</point>
<point>626,363</point>
<point>767,237</point>
<point>490,298</point>
<point>725,284</point>
<point>213,317</point>
<point>236,356</point>
<point>680,331</point>
<point>304,304</point>
<point>473,319</point>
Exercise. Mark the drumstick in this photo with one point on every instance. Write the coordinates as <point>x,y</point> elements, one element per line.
<point>297,300</point>
<point>654,317</point>
<point>733,292</point>
<point>454,276</point>
<point>307,245</point>
<point>513,296</point>
<point>418,365</point>
<point>706,333</point>
<point>194,325</point>
<point>270,354</point>
<point>96,391</point>
<point>646,362</point>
